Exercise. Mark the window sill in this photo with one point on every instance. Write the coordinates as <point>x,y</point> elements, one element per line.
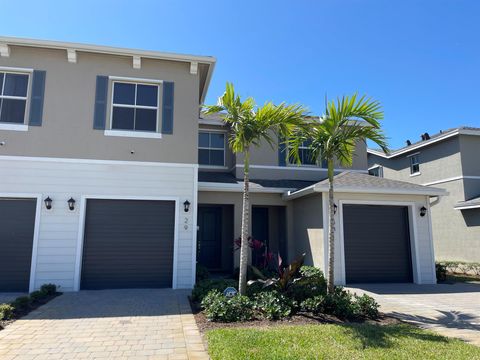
<point>133,134</point>
<point>13,127</point>
<point>415,174</point>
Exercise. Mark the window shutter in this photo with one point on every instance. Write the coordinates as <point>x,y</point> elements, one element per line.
<point>167,108</point>
<point>36,103</point>
<point>100,111</point>
<point>282,154</point>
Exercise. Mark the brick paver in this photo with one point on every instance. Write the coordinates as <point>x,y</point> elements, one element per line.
<point>107,324</point>
<point>449,309</point>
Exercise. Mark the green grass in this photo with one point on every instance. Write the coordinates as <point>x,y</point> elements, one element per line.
<point>357,341</point>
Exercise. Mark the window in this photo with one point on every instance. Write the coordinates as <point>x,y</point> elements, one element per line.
<point>305,154</point>
<point>135,107</point>
<point>211,148</point>
<point>13,97</point>
<point>376,171</point>
<point>414,164</point>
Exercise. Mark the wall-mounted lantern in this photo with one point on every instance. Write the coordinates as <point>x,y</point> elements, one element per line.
<point>48,203</point>
<point>186,206</point>
<point>423,211</point>
<point>71,204</point>
<point>335,207</point>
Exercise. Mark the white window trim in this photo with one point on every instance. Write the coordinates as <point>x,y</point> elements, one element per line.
<point>380,170</point>
<point>412,164</point>
<point>17,126</point>
<point>217,149</point>
<point>134,133</point>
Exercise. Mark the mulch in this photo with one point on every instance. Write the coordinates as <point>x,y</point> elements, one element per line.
<point>298,319</point>
<point>18,314</point>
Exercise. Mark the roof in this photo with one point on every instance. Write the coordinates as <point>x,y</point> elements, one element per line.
<point>221,181</point>
<point>203,64</point>
<point>469,204</point>
<point>356,182</point>
<point>442,135</point>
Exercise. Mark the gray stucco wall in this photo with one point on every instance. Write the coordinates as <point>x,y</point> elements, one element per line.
<point>308,229</point>
<point>470,148</point>
<point>67,129</point>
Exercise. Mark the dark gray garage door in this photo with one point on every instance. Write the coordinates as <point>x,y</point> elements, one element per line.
<point>17,224</point>
<point>377,244</point>
<point>128,244</point>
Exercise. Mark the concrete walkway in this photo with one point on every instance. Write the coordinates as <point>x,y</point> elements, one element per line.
<point>451,310</point>
<point>108,324</point>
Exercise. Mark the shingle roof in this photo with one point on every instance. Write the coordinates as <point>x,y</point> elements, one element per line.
<point>432,138</point>
<point>472,203</point>
<point>355,181</point>
<point>229,178</point>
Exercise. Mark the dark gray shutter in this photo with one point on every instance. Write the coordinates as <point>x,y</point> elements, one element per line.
<point>282,153</point>
<point>100,112</point>
<point>167,108</point>
<point>38,92</point>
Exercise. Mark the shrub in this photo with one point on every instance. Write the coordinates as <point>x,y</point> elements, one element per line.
<point>202,288</point>
<point>202,273</point>
<point>366,307</point>
<point>315,305</point>
<point>441,271</point>
<point>220,308</point>
<point>6,311</point>
<point>48,289</point>
<point>311,283</point>
<point>272,305</point>
<point>21,303</point>
<point>37,295</point>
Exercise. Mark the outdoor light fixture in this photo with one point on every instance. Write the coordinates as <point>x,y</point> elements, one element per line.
<point>423,211</point>
<point>48,203</point>
<point>71,204</point>
<point>335,208</point>
<point>186,205</point>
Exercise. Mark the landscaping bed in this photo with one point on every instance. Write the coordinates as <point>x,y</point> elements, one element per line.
<point>23,305</point>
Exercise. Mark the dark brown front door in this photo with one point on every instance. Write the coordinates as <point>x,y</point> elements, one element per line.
<point>209,242</point>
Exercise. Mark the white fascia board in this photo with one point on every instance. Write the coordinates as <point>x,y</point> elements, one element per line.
<point>299,193</point>
<point>225,187</point>
<point>424,143</point>
<point>466,207</point>
<point>301,168</point>
<point>428,192</point>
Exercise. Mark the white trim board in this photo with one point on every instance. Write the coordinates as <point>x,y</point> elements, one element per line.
<point>81,231</point>
<point>227,187</point>
<point>301,168</point>
<point>36,230</point>
<point>461,177</point>
<point>94,161</point>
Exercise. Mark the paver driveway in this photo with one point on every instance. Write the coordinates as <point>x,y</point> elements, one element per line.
<point>450,309</point>
<point>113,324</point>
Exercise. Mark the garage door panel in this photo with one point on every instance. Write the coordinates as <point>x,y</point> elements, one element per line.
<point>17,225</point>
<point>377,244</point>
<point>128,244</point>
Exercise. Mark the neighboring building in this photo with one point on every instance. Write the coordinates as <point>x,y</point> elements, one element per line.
<point>448,160</point>
<point>106,171</point>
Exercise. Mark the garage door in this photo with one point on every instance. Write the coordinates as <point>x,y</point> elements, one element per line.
<point>17,224</point>
<point>128,244</point>
<point>377,244</point>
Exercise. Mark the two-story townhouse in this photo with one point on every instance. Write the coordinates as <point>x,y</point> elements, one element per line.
<point>448,160</point>
<point>382,234</point>
<point>106,169</point>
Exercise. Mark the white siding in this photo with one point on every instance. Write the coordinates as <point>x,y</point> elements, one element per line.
<point>62,179</point>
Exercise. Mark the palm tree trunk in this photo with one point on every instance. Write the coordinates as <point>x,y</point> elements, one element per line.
<point>331,230</point>
<point>242,281</point>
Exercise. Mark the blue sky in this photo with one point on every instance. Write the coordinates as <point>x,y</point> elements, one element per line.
<point>420,59</point>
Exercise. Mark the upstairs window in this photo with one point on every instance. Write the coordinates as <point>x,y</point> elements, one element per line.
<point>13,97</point>
<point>305,154</point>
<point>211,148</point>
<point>414,164</point>
<point>376,171</point>
<point>135,107</point>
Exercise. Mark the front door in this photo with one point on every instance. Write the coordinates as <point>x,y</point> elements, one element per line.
<point>260,224</point>
<point>209,242</point>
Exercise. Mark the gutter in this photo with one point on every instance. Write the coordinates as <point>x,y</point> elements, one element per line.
<point>230,187</point>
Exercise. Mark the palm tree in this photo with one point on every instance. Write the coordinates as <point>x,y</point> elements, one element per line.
<point>251,125</point>
<point>333,138</point>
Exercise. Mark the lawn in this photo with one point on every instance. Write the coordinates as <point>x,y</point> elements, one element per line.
<point>328,341</point>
